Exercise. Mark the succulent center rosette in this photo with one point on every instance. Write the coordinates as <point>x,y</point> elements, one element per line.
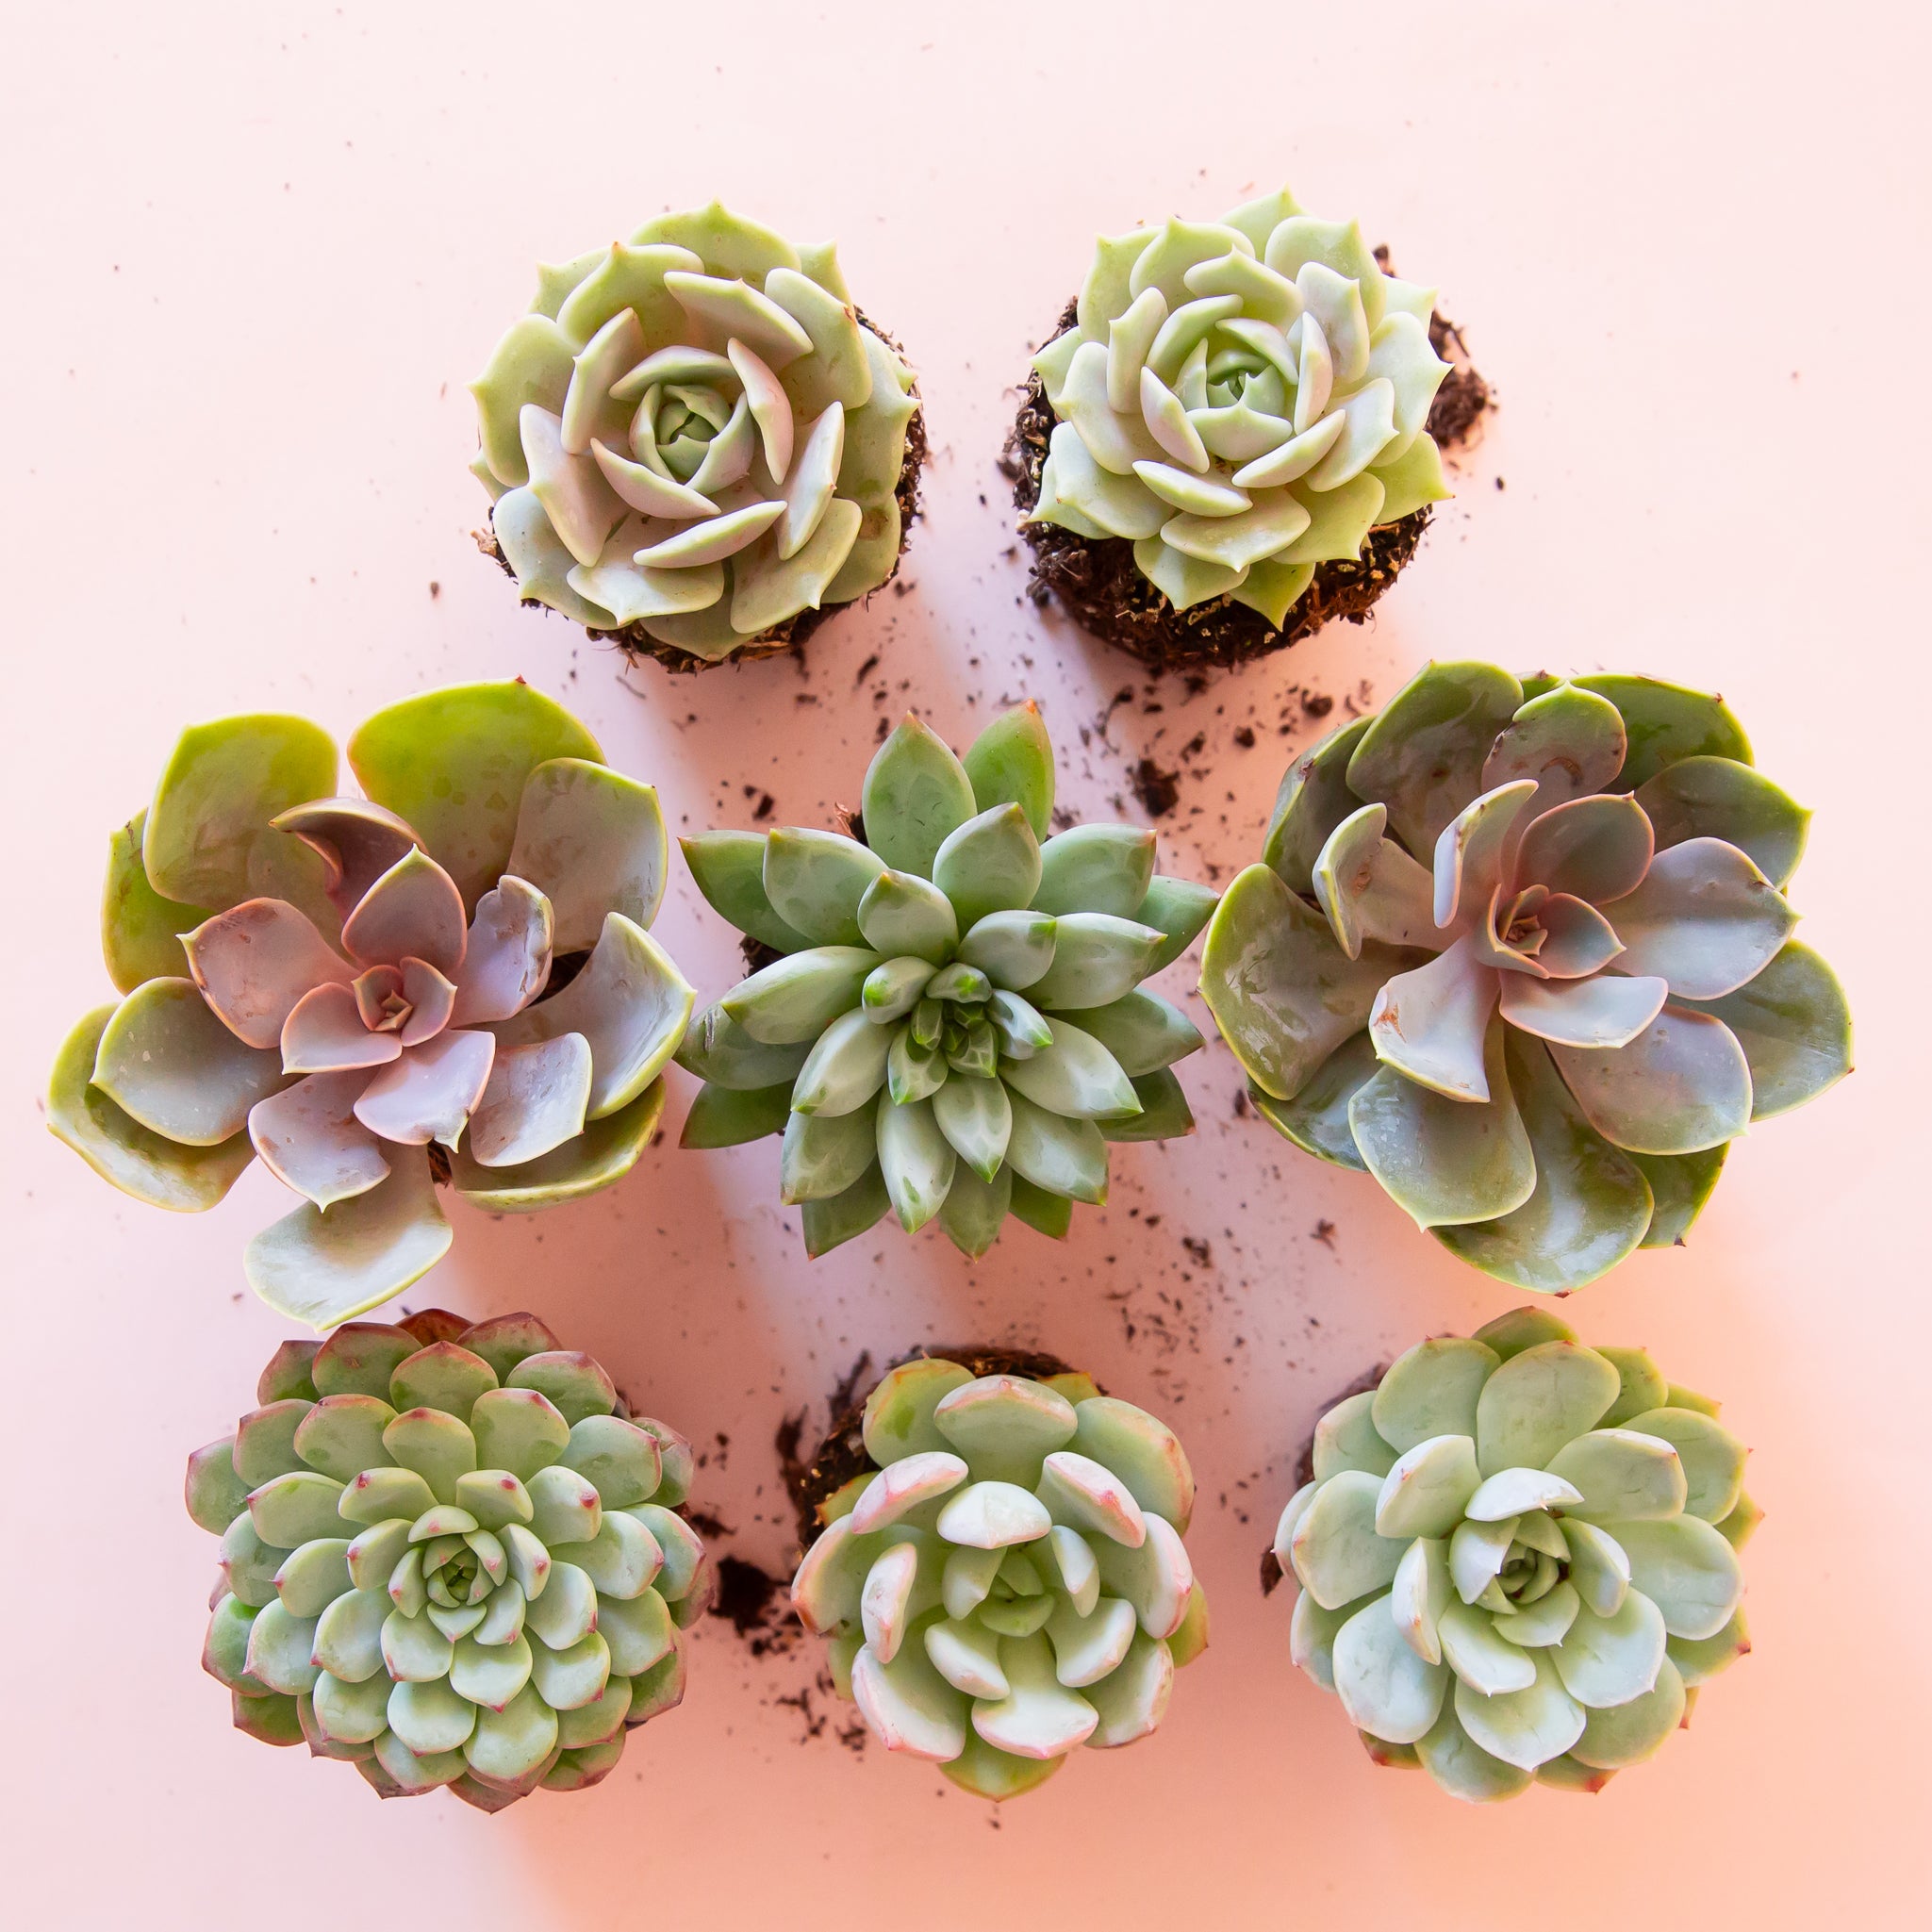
<point>956,1027</point>
<point>1520,948</point>
<point>693,432</point>
<point>1518,1557</point>
<point>449,1557</point>
<point>448,977</point>
<point>1242,399</point>
<point>1009,1580</point>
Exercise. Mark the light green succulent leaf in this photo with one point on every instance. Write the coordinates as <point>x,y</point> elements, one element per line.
<point>1701,1658</point>
<point>991,863</point>
<point>1342,517</point>
<point>1411,480</point>
<point>769,586</point>
<point>591,841</point>
<point>454,764</point>
<point>223,784</point>
<point>794,999</point>
<point>1015,950</point>
<point>1097,960</point>
<point>1142,1031</point>
<point>1423,1590</point>
<point>1475,1648</point>
<point>1077,493</point>
<point>1681,1185</point>
<point>167,1063</point>
<point>1606,1661</point>
<point>148,1165</point>
<point>1445,1162</point>
<point>916,793</point>
<point>1283,993</point>
<point>1063,1156</point>
<point>1548,1621</point>
<point>894,989</point>
<point>728,867</point>
<point>836,371</point>
<point>1074,1075</point>
<point>1538,1400</point>
<point>1682,1086</point>
<point>1427,1486</point>
<point>902,913</point>
<point>1641,1385</point>
<point>140,929</point>
<point>1345,1438</point>
<point>717,1049</point>
<point>1592,1207</point>
<point>531,364</point>
<point>1722,798</point>
<point>1599,1567</point>
<point>1510,1334</point>
<point>1432,1391</point>
<point>1039,1207</point>
<point>1666,723</point>
<point>830,1223</point>
<point>1687,1568</point>
<point>1184,580</point>
<point>1633,1732</point>
<point>598,1158</point>
<point>1523,1727</point>
<point>975,1207</point>
<point>1384,1686</point>
<point>1462,1768</point>
<point>815,881</point>
<point>1313,801</point>
<point>847,1066</point>
<point>728,1117</point>
<point>1272,589</point>
<point>1794,1025</point>
<point>1423,754</point>
<point>976,1118</point>
<point>1011,762</point>
<point>1712,1459</point>
<point>1096,869</point>
<point>1335,1552</point>
<point>1569,740</point>
<point>1705,918</point>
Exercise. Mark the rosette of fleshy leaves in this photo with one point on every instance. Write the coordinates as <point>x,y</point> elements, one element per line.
<point>956,1027</point>
<point>1520,948</point>
<point>1242,399</point>
<point>1009,1581</point>
<point>693,430</point>
<point>1518,1557</point>
<point>447,978</point>
<point>450,1556</point>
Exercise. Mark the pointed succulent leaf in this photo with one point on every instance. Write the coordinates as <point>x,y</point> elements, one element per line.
<point>915,794</point>
<point>975,1207</point>
<point>1795,1028</point>
<point>1142,1031</point>
<point>1163,1112</point>
<point>991,863</point>
<point>1538,1400</point>
<point>1426,1490</point>
<point>905,915</point>
<point>1523,1727</point>
<point>815,882</point>
<point>1063,1156</point>
<point>1015,950</point>
<point>824,1155</point>
<point>915,1159</point>
<point>1073,1076</point>
<point>1722,798</point>
<point>722,1117</point>
<point>845,1216</point>
<point>1384,1686</point>
<point>728,867</point>
<point>601,1155</point>
<point>1178,907</point>
<point>720,1051</point>
<point>794,999</point>
<point>845,1067</point>
<point>976,1118</point>
<point>1096,869</point>
<point>1011,762</point>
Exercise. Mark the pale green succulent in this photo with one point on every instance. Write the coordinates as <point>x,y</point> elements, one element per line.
<point>1244,400</point>
<point>693,432</point>
<point>1520,950</point>
<point>450,1557</point>
<point>1518,1557</point>
<point>956,1027</point>
<point>359,989</point>
<point>1007,1580</point>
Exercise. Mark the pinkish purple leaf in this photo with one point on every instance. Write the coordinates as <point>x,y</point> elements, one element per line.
<point>309,1138</point>
<point>412,909</point>
<point>256,961</point>
<point>430,1093</point>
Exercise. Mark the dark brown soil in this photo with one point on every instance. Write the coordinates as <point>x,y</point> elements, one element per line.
<point>842,1455</point>
<point>1304,1465</point>
<point>1101,587</point>
<point>636,641</point>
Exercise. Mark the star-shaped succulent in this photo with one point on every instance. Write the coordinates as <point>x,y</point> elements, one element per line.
<point>1518,1557</point>
<point>1520,948</point>
<point>447,979</point>
<point>1006,1580</point>
<point>956,1026</point>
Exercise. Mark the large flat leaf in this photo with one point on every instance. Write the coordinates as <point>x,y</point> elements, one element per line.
<point>1313,799</point>
<point>1796,1028</point>
<point>592,841</point>
<point>1720,798</point>
<point>1666,722</point>
<point>167,1062</point>
<point>1316,1119</point>
<point>602,1154</point>
<point>1681,1085</point>
<point>140,929</point>
<point>453,762</point>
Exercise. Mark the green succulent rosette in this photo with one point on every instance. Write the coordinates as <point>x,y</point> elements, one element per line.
<point>1518,1559</point>
<point>447,979</point>
<point>1007,1579</point>
<point>450,1556</point>
<point>693,434</point>
<point>1242,400</point>
<point>1520,948</point>
<point>955,1028</point>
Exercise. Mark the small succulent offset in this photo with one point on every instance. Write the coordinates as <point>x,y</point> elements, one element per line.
<point>692,432</point>
<point>1520,950</point>
<point>450,1557</point>
<point>448,977</point>
<point>956,1027</point>
<point>1011,1580</point>
<point>1243,399</point>
<point>1518,1559</point>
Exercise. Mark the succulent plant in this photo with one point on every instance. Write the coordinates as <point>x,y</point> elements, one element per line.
<point>1244,400</point>
<point>1518,1557</point>
<point>1520,950</point>
<point>955,1026</point>
<point>1005,1578</point>
<point>449,1556</point>
<point>693,434</point>
<point>361,990</point>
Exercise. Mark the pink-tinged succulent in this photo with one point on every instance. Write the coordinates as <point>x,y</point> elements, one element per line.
<point>449,1556</point>
<point>1520,948</point>
<point>448,978</point>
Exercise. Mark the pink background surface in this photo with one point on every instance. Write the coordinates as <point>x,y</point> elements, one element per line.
<point>254,252</point>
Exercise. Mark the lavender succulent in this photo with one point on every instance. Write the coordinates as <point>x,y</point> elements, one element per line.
<point>1518,1559</point>
<point>1009,1579</point>
<point>450,1557</point>
<point>1520,948</point>
<point>955,1029</point>
<point>449,977</point>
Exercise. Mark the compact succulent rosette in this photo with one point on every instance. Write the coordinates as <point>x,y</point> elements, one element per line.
<point>1520,948</point>
<point>954,1027</point>
<point>446,979</point>
<point>1229,443</point>
<point>1004,1576</point>
<point>696,444</point>
<point>1518,1557</point>
<point>450,1556</point>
